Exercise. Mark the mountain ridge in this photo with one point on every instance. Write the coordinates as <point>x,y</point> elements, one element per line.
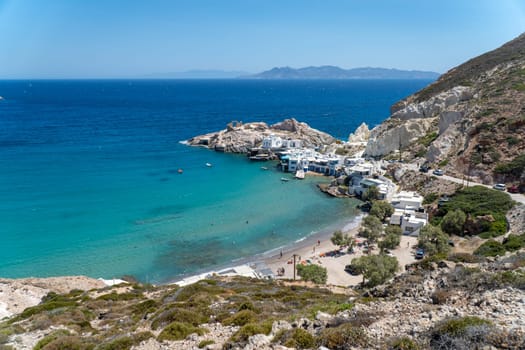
<point>335,72</point>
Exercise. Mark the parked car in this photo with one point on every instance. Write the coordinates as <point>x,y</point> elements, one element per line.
<point>420,253</point>
<point>513,189</point>
<point>499,187</point>
<point>351,269</point>
<point>438,172</point>
<point>424,168</point>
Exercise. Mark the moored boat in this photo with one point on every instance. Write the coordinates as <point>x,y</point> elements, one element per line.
<point>299,174</point>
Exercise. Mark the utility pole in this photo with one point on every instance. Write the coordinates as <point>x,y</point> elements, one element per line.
<point>294,266</point>
<point>400,148</point>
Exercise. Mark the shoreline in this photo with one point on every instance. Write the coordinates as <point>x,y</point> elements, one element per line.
<point>261,262</point>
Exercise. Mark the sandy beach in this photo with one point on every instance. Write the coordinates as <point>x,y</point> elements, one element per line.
<point>313,250</point>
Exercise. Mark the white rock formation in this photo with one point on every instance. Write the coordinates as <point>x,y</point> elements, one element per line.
<point>385,139</point>
<point>416,120</point>
<point>241,138</point>
<point>361,134</point>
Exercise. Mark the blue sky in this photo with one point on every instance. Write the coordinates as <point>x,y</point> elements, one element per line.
<point>118,38</point>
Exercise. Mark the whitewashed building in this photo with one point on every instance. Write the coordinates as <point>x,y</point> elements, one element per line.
<point>408,213</point>
<point>366,183</point>
<point>405,199</point>
<point>272,142</point>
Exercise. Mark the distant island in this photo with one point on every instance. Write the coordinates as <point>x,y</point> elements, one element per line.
<point>333,72</point>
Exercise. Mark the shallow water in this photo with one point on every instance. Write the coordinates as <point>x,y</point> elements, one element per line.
<point>89,180</point>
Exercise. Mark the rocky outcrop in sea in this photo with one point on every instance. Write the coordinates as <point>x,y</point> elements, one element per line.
<point>241,138</point>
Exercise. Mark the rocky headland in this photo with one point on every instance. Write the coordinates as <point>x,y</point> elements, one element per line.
<point>242,138</point>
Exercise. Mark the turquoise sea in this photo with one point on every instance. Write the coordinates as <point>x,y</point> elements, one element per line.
<point>89,182</point>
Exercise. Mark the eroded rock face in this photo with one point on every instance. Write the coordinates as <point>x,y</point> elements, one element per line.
<point>241,138</point>
<point>415,120</point>
<point>435,105</point>
<point>361,134</point>
<point>385,138</point>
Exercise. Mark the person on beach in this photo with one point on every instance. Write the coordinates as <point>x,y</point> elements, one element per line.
<point>281,254</point>
<point>318,243</point>
<point>314,250</point>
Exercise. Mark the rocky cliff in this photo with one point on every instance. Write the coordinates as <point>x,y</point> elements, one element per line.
<point>240,138</point>
<point>471,120</point>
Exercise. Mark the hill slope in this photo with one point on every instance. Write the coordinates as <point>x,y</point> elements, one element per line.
<point>470,121</point>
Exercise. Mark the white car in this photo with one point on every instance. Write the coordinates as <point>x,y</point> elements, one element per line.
<point>499,187</point>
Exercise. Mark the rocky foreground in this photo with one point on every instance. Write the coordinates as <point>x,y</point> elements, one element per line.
<point>241,138</point>
<point>460,302</point>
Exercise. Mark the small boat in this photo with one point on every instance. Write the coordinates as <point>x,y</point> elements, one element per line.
<point>285,179</point>
<point>180,171</point>
<point>264,168</point>
<point>208,165</point>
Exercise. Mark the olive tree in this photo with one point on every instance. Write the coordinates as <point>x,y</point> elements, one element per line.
<point>394,229</point>
<point>453,222</point>
<point>381,209</point>
<point>390,241</point>
<point>376,269</point>
<point>433,240</point>
<point>339,238</point>
<point>371,228</point>
<point>371,194</point>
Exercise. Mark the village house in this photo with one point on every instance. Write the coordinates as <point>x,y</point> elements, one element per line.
<point>408,213</point>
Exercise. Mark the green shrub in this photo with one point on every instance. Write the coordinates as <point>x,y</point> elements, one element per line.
<point>430,198</point>
<point>250,329</point>
<point>443,163</point>
<point>114,296</point>
<point>428,138</point>
<point>458,326</point>
<point>48,306</point>
<point>403,343</point>
<point>205,343</point>
<point>50,338</point>
<point>514,242</point>
<point>345,336</point>
<point>453,222</point>
<point>241,318</point>
<point>179,331</point>
<point>296,338</point>
<point>177,314</point>
<point>122,343</point>
<point>314,273</point>
<point>464,258</point>
<point>485,208</point>
<point>514,167</point>
<point>490,248</point>
<point>69,343</point>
